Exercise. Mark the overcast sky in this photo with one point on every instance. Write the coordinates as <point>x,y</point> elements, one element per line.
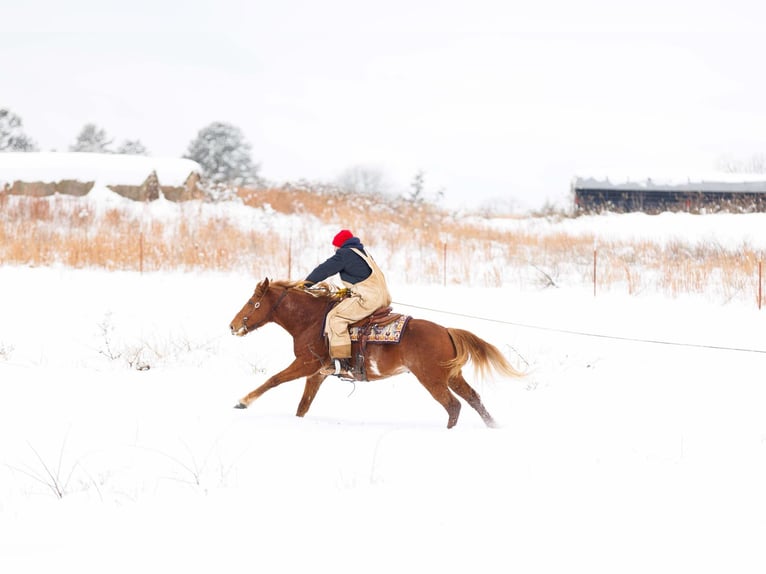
<point>490,99</point>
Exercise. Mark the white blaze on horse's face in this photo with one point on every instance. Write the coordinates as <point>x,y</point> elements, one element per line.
<point>241,332</point>
<point>238,331</point>
<point>243,323</point>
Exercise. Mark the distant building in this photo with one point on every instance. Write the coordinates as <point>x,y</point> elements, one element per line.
<point>718,192</point>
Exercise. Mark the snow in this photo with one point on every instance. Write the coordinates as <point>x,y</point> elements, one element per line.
<point>615,454</point>
<point>104,169</point>
<point>730,231</point>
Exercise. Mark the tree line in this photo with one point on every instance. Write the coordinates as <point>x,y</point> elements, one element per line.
<point>220,148</point>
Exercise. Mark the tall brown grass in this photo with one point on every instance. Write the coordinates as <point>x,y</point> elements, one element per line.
<point>421,243</point>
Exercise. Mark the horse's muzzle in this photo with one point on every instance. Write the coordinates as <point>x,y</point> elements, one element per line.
<point>241,332</point>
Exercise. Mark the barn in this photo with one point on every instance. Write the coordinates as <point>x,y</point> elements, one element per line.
<point>741,193</point>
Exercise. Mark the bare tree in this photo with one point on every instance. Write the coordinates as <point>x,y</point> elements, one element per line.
<point>92,139</point>
<point>417,187</point>
<point>132,147</point>
<point>755,164</point>
<point>364,180</point>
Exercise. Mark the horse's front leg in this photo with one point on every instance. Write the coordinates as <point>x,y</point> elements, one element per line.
<point>298,368</point>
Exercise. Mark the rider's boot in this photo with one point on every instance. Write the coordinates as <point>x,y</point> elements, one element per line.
<point>338,367</point>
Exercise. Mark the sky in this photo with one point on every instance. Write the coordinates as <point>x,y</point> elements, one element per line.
<point>490,100</point>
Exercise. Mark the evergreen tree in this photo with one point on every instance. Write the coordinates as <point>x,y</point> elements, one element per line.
<point>12,138</point>
<point>92,139</point>
<point>224,154</point>
<point>132,147</point>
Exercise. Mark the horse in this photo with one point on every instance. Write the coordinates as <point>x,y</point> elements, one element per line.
<point>434,354</point>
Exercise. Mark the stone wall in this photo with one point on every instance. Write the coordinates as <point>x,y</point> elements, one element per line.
<point>43,189</point>
<point>147,191</point>
<point>191,189</point>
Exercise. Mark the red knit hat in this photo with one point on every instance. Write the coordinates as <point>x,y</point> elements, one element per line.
<point>342,236</point>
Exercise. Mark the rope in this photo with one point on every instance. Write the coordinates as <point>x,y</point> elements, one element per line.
<point>585,334</point>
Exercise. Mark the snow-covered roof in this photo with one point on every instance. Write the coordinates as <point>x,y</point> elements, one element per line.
<point>103,168</point>
<point>716,182</point>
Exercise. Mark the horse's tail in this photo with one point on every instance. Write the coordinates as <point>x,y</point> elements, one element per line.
<point>483,355</point>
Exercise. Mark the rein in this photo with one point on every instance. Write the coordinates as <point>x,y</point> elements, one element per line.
<point>256,305</point>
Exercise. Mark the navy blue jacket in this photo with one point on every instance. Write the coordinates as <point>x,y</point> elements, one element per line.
<point>351,267</point>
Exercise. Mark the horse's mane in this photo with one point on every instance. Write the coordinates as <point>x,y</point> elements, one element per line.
<point>323,289</point>
<point>286,284</point>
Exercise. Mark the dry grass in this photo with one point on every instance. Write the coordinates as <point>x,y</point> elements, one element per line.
<point>421,244</point>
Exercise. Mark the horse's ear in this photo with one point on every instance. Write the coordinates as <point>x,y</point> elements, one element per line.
<point>265,283</point>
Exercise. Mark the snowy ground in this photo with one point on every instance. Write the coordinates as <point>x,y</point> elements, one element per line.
<point>102,169</point>
<point>613,455</point>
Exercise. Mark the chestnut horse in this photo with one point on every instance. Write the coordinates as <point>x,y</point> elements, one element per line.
<point>434,354</point>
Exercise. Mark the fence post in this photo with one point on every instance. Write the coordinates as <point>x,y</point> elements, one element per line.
<point>444,264</point>
<point>289,257</point>
<point>760,283</point>
<point>595,257</point>
<point>141,253</point>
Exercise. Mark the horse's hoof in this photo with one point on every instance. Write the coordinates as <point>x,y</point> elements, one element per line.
<point>240,406</point>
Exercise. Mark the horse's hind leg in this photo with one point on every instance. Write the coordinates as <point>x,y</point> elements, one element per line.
<point>440,391</point>
<point>465,391</point>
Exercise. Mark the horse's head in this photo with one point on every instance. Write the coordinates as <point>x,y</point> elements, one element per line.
<point>258,310</point>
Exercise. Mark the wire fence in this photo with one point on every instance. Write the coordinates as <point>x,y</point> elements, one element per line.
<point>583,333</point>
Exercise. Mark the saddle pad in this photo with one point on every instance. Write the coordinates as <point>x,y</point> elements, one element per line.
<point>390,333</point>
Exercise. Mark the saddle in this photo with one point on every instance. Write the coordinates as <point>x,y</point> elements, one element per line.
<point>383,326</point>
<point>382,316</point>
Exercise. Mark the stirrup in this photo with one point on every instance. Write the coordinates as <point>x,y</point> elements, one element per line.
<point>333,368</point>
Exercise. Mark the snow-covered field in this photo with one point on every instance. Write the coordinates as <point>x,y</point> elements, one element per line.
<point>613,455</point>
<point>636,443</point>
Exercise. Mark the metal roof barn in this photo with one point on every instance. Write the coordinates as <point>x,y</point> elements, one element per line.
<point>718,192</point>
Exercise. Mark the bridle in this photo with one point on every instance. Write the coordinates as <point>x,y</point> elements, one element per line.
<point>269,315</point>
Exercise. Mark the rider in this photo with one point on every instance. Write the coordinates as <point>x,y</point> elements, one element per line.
<point>358,272</point>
